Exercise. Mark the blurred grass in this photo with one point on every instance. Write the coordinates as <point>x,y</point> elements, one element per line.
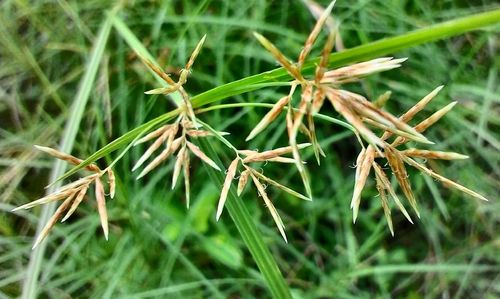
<point>159,249</point>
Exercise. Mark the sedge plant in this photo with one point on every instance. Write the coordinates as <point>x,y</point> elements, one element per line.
<point>313,83</point>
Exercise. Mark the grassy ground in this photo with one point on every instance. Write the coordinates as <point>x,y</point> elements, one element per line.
<point>157,248</point>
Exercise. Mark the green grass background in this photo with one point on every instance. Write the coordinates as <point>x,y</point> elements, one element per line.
<point>159,249</point>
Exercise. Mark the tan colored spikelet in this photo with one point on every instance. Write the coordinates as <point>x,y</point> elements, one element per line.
<point>325,54</point>
<point>78,183</point>
<point>269,117</point>
<point>152,135</point>
<point>158,142</point>
<point>203,133</point>
<point>171,148</point>
<point>434,117</point>
<point>178,165</point>
<point>353,73</point>
<point>282,160</point>
<point>387,186</point>
<point>425,154</point>
<point>364,107</point>
<point>359,161</point>
<point>399,170</point>
<point>314,140</point>
<point>317,10</point>
<point>242,182</point>
<point>384,203</point>
<point>197,151</point>
<point>443,179</point>
<point>362,175</point>
<point>76,202</point>
<point>280,57</point>
<point>187,185</point>
<point>52,221</point>
<point>426,123</point>
<point>101,206</point>
<point>267,155</point>
<point>158,71</point>
<point>270,207</point>
<point>314,34</point>
<point>195,53</point>
<point>352,118</point>
<point>46,199</point>
<point>391,130</point>
<point>66,157</point>
<point>408,116</point>
<point>276,184</point>
<point>112,183</point>
<point>163,90</point>
<point>318,100</point>
<point>231,172</point>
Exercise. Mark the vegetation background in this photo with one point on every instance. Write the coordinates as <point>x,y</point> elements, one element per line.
<point>159,249</point>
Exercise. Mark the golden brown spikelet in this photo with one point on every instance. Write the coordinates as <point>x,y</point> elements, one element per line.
<point>112,183</point>
<point>195,53</point>
<point>269,117</point>
<point>270,206</point>
<point>101,206</point>
<point>280,57</point>
<point>364,165</point>
<point>425,154</point>
<point>197,151</point>
<point>314,34</point>
<point>276,184</point>
<point>52,221</point>
<point>158,142</point>
<point>242,182</point>
<point>385,203</point>
<point>231,172</point>
<point>167,152</point>
<point>79,197</point>
<point>178,165</point>
<point>443,179</point>
<point>387,186</point>
<point>399,170</point>
<point>187,186</point>
<point>66,157</point>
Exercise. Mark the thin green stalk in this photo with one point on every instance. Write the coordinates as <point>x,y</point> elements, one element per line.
<point>30,286</point>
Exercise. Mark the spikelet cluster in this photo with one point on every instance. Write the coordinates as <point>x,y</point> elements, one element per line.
<point>74,193</point>
<point>362,114</point>
<point>365,116</point>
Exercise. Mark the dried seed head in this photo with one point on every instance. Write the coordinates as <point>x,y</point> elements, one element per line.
<point>153,134</point>
<point>399,170</point>
<point>171,148</point>
<point>270,207</point>
<point>408,116</point>
<point>276,184</point>
<point>76,202</point>
<point>186,178</point>
<point>195,53</point>
<point>356,71</point>
<point>158,71</point>
<point>101,206</point>
<point>282,59</point>
<point>52,221</point>
<point>178,165</point>
<point>314,34</point>
<point>385,203</point>
<point>158,142</point>
<point>197,151</point>
<point>267,155</point>
<point>364,165</point>
<point>231,172</point>
<point>417,153</point>
<point>269,117</point>
<point>112,183</point>
<point>443,179</point>
<point>242,182</point>
<point>387,186</point>
<point>66,157</point>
